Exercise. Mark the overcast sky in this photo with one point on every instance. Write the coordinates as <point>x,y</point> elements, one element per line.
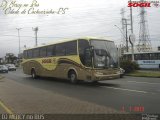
<point>82,18</point>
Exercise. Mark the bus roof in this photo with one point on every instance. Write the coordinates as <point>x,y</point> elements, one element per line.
<point>67,40</point>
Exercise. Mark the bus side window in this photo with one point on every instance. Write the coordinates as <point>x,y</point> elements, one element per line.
<point>158,56</point>
<point>49,51</point>
<point>60,49</point>
<point>36,53</point>
<point>25,54</point>
<point>88,57</point>
<point>71,48</point>
<point>30,53</point>
<point>54,50</point>
<point>43,52</point>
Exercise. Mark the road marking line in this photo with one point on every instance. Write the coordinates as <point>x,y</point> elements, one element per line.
<point>142,82</point>
<point>5,108</point>
<point>128,90</point>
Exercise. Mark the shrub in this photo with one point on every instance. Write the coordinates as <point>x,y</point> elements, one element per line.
<point>128,66</point>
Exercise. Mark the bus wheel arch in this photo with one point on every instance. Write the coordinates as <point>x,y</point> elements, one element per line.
<point>33,73</point>
<point>72,76</point>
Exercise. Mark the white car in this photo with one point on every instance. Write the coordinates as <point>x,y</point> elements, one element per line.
<point>3,69</point>
<point>11,67</point>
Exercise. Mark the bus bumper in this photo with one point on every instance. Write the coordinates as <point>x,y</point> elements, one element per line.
<point>106,77</point>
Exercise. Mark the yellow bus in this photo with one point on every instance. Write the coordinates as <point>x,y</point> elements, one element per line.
<point>89,59</point>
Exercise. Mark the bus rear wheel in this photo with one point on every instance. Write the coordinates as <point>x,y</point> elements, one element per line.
<point>33,74</point>
<point>73,77</point>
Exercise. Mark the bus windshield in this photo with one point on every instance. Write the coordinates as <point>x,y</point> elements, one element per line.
<point>105,54</point>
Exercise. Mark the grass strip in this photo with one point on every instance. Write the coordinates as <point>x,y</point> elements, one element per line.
<point>144,74</point>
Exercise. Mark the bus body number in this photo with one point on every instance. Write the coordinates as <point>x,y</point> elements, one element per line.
<point>46,61</point>
<point>54,60</point>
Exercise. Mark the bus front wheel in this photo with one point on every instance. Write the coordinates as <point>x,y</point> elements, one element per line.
<point>33,73</point>
<point>73,77</point>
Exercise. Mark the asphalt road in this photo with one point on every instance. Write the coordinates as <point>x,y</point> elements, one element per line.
<point>129,94</point>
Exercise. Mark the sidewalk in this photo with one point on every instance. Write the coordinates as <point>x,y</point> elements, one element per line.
<point>22,98</point>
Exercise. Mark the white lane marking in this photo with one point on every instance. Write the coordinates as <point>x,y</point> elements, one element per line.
<point>142,82</point>
<point>130,90</point>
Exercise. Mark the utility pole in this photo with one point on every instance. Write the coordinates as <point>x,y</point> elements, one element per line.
<point>119,48</point>
<point>36,30</point>
<point>19,39</point>
<point>123,26</point>
<point>125,20</point>
<point>132,36</point>
<point>126,35</point>
<point>131,18</point>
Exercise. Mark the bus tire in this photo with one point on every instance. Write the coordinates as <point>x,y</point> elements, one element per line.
<point>33,74</point>
<point>121,76</point>
<point>95,82</point>
<point>72,76</point>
